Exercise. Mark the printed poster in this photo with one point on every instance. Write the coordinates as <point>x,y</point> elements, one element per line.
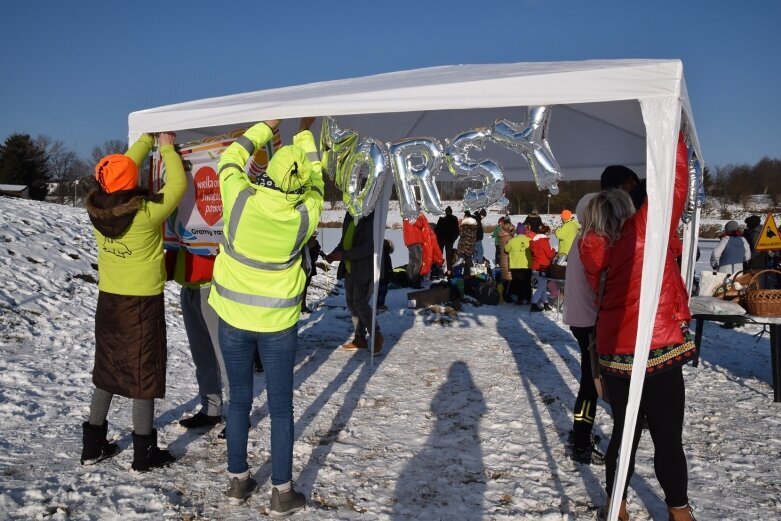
<point>197,223</point>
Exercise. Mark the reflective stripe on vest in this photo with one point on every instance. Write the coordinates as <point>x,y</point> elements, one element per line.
<point>247,144</point>
<point>312,156</point>
<point>303,226</point>
<point>256,300</point>
<point>229,165</point>
<point>233,224</point>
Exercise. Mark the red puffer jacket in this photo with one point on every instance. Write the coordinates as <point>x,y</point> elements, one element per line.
<point>542,253</point>
<point>429,245</point>
<point>618,313</point>
<point>431,252</point>
<point>413,233</point>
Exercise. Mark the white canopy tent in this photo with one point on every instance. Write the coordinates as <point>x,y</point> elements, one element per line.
<point>603,112</point>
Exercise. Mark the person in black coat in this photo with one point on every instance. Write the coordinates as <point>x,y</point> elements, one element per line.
<point>533,221</point>
<point>356,253</point>
<point>446,231</point>
<point>386,275</point>
<point>759,258</point>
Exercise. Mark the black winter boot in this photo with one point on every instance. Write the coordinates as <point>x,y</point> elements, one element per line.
<point>147,455</point>
<point>240,489</point>
<point>285,500</point>
<point>588,456</point>
<point>95,447</point>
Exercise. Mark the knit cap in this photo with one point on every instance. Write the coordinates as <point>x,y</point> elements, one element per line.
<point>116,172</point>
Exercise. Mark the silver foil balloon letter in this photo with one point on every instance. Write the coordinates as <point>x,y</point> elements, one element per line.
<point>530,140</point>
<point>487,171</point>
<point>363,189</point>
<point>336,147</point>
<point>415,163</point>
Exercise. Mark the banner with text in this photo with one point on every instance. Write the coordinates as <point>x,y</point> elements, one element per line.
<point>197,222</point>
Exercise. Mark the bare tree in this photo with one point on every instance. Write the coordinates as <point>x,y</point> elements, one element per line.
<point>112,146</point>
<point>65,168</point>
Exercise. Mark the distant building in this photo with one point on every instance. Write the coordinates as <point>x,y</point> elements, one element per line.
<point>20,191</point>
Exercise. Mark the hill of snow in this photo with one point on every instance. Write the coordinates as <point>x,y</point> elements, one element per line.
<point>464,418</point>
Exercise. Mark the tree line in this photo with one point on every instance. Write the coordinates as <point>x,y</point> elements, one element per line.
<point>37,162</point>
<point>736,183</point>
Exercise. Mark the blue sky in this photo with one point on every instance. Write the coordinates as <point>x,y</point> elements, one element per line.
<point>74,70</point>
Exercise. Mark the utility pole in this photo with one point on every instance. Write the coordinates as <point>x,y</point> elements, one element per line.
<point>549,203</point>
<point>76,184</point>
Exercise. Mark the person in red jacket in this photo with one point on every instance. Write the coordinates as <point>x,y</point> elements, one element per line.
<point>432,254</point>
<point>542,256</point>
<point>612,250</point>
<point>413,239</point>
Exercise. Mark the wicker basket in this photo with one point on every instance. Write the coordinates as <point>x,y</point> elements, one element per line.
<point>763,302</point>
<point>734,287</point>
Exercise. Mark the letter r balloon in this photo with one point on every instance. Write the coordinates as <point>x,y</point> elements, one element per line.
<point>415,163</point>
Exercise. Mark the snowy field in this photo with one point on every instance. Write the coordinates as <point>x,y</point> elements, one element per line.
<point>462,418</point>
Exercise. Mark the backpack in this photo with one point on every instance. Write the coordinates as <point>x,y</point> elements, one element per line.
<point>484,291</point>
<point>399,277</point>
<point>487,293</point>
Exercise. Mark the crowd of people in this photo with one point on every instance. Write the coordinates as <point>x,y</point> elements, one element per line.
<point>246,301</point>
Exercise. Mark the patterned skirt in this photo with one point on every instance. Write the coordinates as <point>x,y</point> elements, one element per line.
<point>659,360</point>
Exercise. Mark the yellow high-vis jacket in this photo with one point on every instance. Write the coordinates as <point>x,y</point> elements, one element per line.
<point>258,277</point>
<point>566,235</point>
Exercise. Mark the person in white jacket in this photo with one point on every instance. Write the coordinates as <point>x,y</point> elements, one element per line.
<point>732,251</point>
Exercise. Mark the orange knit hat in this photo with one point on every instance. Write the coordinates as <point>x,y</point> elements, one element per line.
<point>566,215</point>
<point>116,172</point>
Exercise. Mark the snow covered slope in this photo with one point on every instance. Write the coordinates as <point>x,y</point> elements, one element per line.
<point>464,419</point>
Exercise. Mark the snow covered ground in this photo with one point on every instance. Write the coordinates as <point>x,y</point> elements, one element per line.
<point>461,419</point>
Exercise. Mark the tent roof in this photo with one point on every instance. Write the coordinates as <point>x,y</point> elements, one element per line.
<point>595,109</point>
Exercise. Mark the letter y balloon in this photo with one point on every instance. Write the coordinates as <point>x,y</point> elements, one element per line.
<point>336,147</point>
<point>530,140</point>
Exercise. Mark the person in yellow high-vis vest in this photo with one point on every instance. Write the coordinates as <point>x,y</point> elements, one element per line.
<point>257,287</point>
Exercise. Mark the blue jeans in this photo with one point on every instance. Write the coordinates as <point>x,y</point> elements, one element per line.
<point>478,258</point>
<point>278,353</point>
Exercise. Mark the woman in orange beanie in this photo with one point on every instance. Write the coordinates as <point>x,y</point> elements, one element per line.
<point>130,340</point>
<point>567,232</point>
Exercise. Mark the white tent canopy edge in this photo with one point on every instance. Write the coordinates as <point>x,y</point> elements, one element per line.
<point>658,86</point>
<point>600,95</point>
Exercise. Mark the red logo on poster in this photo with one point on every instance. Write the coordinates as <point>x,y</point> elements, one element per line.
<point>207,195</point>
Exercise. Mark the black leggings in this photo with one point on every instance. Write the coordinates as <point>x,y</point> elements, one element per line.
<point>662,403</point>
<point>586,402</point>
<point>521,285</point>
